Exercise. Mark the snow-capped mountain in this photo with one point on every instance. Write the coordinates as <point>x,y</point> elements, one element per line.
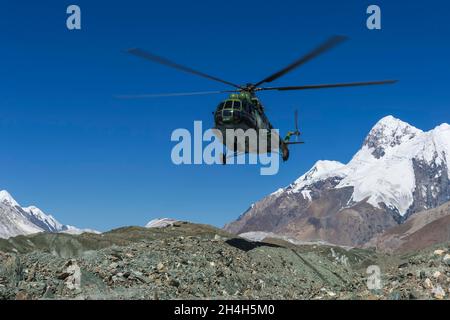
<point>16,220</point>
<point>401,167</point>
<point>400,170</point>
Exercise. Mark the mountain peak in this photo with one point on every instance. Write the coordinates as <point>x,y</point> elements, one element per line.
<point>320,170</point>
<point>5,197</point>
<point>390,120</point>
<point>388,133</point>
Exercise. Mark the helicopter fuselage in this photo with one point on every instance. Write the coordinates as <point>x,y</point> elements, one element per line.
<point>244,111</point>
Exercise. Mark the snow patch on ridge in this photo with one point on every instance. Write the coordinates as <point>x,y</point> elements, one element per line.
<point>307,194</point>
<point>160,223</point>
<point>276,193</point>
<point>256,236</point>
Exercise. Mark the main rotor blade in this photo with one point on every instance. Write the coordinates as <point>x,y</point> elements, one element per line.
<point>175,94</point>
<point>327,45</point>
<point>149,56</point>
<point>324,86</point>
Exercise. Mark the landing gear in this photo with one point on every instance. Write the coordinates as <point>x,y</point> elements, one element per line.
<point>223,158</point>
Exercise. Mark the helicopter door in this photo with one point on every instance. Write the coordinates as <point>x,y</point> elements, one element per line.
<point>259,121</point>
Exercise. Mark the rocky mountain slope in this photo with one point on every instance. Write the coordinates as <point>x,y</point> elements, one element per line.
<point>16,220</point>
<point>189,261</point>
<point>422,230</point>
<point>400,170</point>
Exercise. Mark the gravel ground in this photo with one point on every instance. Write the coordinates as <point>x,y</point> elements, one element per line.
<point>189,261</point>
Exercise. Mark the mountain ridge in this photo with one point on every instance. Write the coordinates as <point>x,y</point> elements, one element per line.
<point>16,220</point>
<point>399,170</point>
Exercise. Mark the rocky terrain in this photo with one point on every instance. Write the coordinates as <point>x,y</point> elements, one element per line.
<point>399,171</point>
<point>424,229</point>
<point>189,261</point>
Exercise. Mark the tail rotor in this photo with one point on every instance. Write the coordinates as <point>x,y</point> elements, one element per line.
<point>295,133</point>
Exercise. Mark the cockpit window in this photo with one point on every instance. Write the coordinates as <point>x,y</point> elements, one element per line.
<point>227,113</point>
<point>229,104</point>
<point>237,105</point>
<point>220,106</point>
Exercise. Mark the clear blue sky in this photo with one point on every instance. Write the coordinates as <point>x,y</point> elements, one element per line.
<point>71,148</point>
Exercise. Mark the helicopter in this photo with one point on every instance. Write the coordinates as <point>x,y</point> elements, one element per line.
<point>243,109</point>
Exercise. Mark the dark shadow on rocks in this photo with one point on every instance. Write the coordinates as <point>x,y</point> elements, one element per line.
<point>246,245</point>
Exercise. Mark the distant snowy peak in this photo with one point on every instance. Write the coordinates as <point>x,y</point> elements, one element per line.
<point>16,220</point>
<point>6,198</point>
<point>388,133</point>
